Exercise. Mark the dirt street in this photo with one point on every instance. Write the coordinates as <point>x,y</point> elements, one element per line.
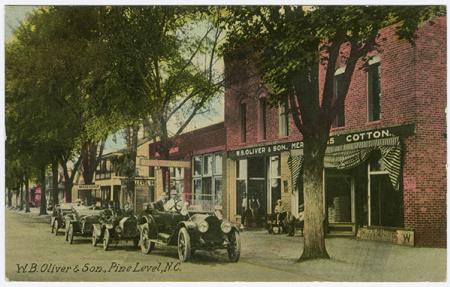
<point>34,254</point>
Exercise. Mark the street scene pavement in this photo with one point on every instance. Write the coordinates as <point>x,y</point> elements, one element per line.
<point>35,254</point>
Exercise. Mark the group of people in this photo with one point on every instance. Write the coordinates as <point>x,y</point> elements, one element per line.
<point>279,221</point>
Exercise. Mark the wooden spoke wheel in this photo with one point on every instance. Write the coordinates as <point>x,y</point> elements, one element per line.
<point>147,245</point>
<point>94,239</point>
<point>70,234</point>
<point>106,239</point>
<point>184,245</point>
<point>234,249</point>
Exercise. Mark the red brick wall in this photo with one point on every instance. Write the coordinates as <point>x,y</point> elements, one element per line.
<point>201,141</point>
<point>413,91</point>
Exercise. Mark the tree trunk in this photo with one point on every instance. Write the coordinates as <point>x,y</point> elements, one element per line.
<point>314,216</point>
<point>132,141</point>
<point>55,176</point>
<point>21,196</point>
<point>43,204</point>
<point>10,194</point>
<point>89,161</point>
<point>27,195</point>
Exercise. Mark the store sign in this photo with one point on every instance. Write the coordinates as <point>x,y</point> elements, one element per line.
<point>165,163</point>
<point>140,182</point>
<point>88,186</point>
<point>339,139</point>
<point>387,234</point>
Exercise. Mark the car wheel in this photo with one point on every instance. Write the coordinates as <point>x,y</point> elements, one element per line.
<point>94,240</point>
<point>136,242</point>
<point>234,249</point>
<point>66,230</point>
<point>147,245</point>
<point>55,227</point>
<point>70,234</point>
<point>184,245</point>
<point>106,240</point>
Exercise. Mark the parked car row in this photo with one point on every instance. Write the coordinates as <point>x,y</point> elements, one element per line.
<point>187,229</point>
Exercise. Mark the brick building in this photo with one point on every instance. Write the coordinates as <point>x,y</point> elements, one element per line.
<point>385,164</point>
<point>201,183</point>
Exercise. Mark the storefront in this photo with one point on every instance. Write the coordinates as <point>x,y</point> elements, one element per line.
<point>258,178</point>
<point>362,180</point>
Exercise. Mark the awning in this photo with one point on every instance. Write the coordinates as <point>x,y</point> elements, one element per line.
<point>350,155</point>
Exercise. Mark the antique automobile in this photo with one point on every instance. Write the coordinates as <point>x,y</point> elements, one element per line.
<point>189,230</point>
<point>57,220</point>
<point>80,222</point>
<point>114,226</point>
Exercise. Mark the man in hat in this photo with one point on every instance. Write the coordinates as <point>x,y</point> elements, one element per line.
<point>170,205</point>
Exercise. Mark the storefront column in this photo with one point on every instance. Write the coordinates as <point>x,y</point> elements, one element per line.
<point>352,199</point>
<point>231,190</point>
<point>369,223</point>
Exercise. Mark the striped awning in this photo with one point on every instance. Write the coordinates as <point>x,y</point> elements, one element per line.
<point>353,154</point>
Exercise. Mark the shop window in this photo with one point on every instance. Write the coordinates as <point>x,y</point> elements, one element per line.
<point>177,179</point>
<point>197,166</point>
<point>207,181</point>
<point>243,117</point>
<point>274,180</point>
<point>386,204</point>
<point>283,115</point>
<point>338,197</point>
<point>339,120</point>
<point>241,187</point>
<point>374,92</point>
<point>262,118</point>
<point>151,171</point>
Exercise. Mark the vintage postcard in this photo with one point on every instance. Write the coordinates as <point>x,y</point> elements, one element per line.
<point>225,143</point>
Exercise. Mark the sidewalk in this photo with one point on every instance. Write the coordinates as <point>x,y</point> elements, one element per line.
<point>351,259</point>
<point>33,214</point>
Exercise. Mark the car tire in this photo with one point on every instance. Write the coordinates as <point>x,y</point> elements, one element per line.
<point>147,245</point>
<point>106,240</point>
<point>55,227</point>
<point>184,245</point>
<point>70,234</point>
<point>234,249</point>
<point>66,230</point>
<point>94,240</point>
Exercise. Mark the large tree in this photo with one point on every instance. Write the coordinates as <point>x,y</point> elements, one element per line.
<point>291,46</point>
<point>51,62</point>
<point>154,63</point>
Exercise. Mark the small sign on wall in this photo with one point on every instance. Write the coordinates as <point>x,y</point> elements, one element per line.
<point>397,236</point>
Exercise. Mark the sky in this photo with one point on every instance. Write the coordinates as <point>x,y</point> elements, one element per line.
<point>15,14</point>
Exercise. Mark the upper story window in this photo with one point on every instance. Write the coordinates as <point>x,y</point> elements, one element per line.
<point>262,118</point>
<point>243,117</point>
<point>283,119</point>
<point>373,90</point>
<point>339,120</point>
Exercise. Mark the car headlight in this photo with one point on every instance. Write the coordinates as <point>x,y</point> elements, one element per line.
<point>203,226</point>
<point>226,226</point>
<point>118,229</point>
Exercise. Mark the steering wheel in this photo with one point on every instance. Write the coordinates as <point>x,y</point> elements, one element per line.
<point>178,206</point>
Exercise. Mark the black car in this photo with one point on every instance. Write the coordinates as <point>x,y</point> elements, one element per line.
<point>80,222</point>
<point>58,214</point>
<point>114,226</point>
<point>189,230</point>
